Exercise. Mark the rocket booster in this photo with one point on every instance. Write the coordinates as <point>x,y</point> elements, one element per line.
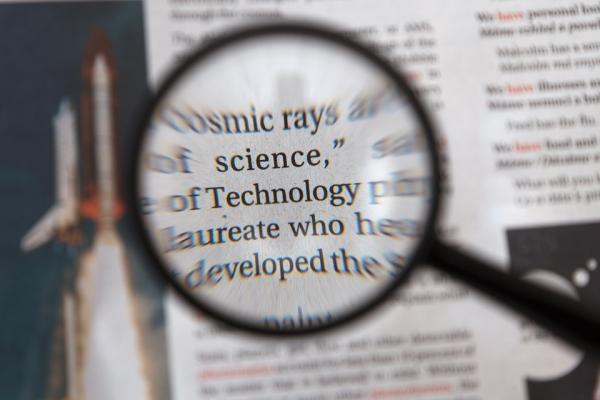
<point>67,193</point>
<point>105,166</point>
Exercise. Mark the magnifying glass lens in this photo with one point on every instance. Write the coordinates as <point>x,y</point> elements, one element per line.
<point>286,181</point>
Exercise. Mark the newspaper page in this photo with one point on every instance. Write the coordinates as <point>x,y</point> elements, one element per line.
<point>514,91</point>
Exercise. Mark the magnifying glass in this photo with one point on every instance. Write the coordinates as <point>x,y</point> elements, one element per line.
<point>287,181</point>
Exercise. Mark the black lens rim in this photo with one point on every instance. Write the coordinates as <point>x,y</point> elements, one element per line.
<point>420,255</point>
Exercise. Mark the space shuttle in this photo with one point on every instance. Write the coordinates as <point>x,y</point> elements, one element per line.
<point>104,357</point>
<point>61,220</point>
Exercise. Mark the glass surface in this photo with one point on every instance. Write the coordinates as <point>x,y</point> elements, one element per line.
<point>285,181</point>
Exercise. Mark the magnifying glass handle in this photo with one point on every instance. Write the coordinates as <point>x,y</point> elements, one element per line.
<point>565,318</point>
